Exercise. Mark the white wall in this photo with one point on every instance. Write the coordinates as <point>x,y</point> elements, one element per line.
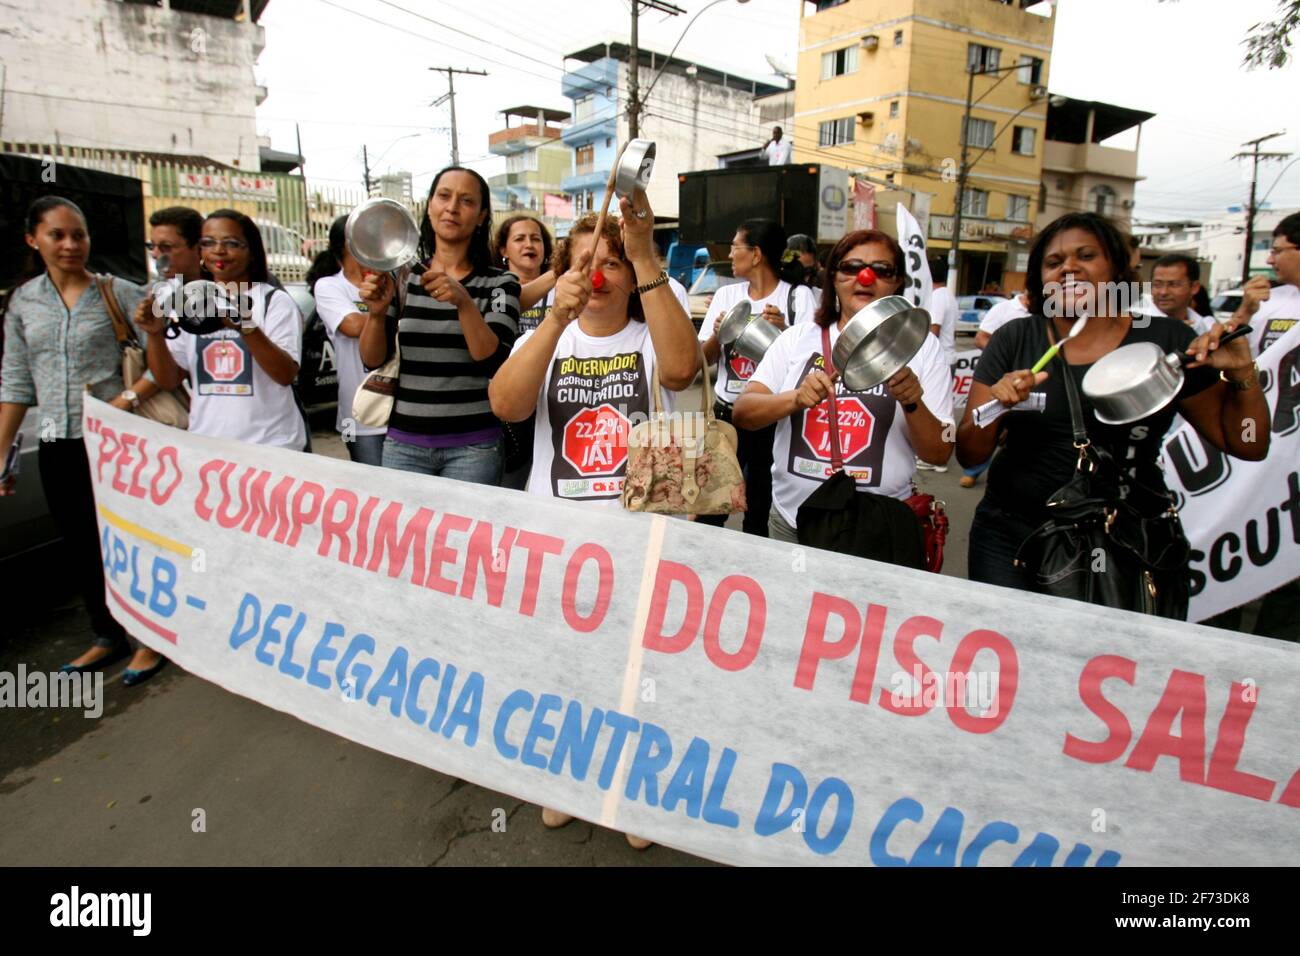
<point>692,122</point>
<point>129,76</point>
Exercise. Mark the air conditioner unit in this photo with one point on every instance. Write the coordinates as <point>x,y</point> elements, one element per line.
<point>1038,92</point>
<point>870,42</point>
<point>867,117</point>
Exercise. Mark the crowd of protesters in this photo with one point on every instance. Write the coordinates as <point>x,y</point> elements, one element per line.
<point>496,333</point>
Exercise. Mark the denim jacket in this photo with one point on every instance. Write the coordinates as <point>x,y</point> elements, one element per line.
<point>51,354</point>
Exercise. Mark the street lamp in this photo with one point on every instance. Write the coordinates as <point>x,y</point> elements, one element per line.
<point>965,167</point>
<point>634,108</point>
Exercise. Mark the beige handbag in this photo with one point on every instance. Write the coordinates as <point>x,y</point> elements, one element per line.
<point>683,464</point>
<point>166,407</point>
<point>372,405</point>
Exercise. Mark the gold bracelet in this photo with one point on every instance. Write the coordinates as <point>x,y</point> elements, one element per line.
<point>661,279</point>
<point>1246,384</point>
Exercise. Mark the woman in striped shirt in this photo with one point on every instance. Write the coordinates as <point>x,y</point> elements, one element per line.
<point>455,325</point>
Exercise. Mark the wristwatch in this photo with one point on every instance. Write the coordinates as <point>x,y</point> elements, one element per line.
<point>246,325</point>
<point>1246,384</point>
<point>132,397</point>
<point>655,283</point>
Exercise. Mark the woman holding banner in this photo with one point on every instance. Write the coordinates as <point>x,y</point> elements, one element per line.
<point>1077,264</point>
<point>885,429</point>
<point>589,367</point>
<point>59,343</point>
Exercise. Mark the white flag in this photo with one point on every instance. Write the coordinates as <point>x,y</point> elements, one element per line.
<point>920,284</point>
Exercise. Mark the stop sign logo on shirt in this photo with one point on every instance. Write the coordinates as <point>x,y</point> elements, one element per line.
<point>223,360</point>
<point>856,425</point>
<point>595,441</point>
<point>742,367</point>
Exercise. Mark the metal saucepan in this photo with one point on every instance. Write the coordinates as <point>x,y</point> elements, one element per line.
<point>1137,380</point>
<point>879,341</point>
<point>200,307</point>
<point>634,167</point>
<point>382,235</point>
<point>748,334</point>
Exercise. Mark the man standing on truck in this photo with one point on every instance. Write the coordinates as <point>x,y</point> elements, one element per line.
<point>776,149</point>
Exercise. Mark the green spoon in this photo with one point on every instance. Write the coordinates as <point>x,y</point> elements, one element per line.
<point>1051,353</point>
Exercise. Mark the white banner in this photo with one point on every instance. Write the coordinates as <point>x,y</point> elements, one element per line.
<point>738,698</point>
<point>920,285</point>
<point>963,374</point>
<point>1243,517</point>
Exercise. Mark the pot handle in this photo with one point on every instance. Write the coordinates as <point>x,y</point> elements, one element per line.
<point>1236,333</point>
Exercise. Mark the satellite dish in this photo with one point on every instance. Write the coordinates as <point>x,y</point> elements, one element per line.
<point>777,67</point>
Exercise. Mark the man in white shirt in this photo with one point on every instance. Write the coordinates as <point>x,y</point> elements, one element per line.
<point>1016,307</point>
<point>1271,311</point>
<point>1175,280</point>
<point>776,149</point>
<point>943,310</point>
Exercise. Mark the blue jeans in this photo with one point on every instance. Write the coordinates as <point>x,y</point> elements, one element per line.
<point>366,449</point>
<point>479,464</point>
<point>978,469</point>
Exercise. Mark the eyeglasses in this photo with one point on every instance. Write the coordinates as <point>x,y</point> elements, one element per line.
<point>225,244</point>
<point>741,245</point>
<point>1278,250</point>
<point>165,248</point>
<point>851,267</point>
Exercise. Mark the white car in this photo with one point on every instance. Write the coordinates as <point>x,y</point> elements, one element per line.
<point>286,251</point>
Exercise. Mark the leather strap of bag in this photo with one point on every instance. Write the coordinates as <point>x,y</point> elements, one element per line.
<point>1072,393</point>
<point>121,328</point>
<point>837,459</point>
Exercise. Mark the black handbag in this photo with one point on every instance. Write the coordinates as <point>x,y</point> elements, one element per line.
<point>1097,546</point>
<point>838,517</point>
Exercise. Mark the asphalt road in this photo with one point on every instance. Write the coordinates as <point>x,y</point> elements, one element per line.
<point>124,788</point>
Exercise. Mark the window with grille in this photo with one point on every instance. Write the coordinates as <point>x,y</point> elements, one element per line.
<point>1018,208</point>
<point>1031,70</point>
<point>979,133</point>
<point>982,58</point>
<point>839,62</point>
<point>975,202</point>
<point>1022,140</point>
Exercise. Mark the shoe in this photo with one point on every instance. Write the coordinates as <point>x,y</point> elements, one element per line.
<point>131,678</point>
<point>119,651</point>
<point>924,465</point>
<point>637,843</point>
<point>554,818</point>
<point>967,481</point>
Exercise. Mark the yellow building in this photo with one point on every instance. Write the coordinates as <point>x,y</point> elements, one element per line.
<point>882,88</point>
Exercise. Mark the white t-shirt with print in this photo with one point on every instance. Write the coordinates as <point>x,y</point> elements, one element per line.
<point>1274,318</point>
<point>778,153</point>
<point>336,299</point>
<point>943,313</point>
<point>231,395</point>
<point>734,370</point>
<point>595,390</point>
<point>874,439</point>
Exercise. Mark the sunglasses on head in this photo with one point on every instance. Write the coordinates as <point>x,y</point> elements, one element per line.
<point>851,267</point>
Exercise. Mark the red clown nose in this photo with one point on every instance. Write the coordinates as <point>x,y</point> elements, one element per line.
<point>867,276</point>
<point>598,280</point>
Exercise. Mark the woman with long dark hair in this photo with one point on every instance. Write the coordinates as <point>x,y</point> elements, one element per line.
<point>335,281</point>
<point>241,375</point>
<point>882,431</point>
<point>1075,265</point>
<point>756,252</point>
<point>59,342</point>
<point>457,319</point>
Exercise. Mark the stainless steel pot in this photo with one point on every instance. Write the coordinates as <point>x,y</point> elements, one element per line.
<point>1137,380</point>
<point>634,167</point>
<point>382,235</point>
<point>746,333</point>
<point>879,341</point>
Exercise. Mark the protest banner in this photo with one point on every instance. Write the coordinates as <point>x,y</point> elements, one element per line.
<point>1243,517</point>
<point>963,373</point>
<point>741,699</point>
<point>920,284</point>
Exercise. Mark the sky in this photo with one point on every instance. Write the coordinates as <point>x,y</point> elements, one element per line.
<point>357,71</point>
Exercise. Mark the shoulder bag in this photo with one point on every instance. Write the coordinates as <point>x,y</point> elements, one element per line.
<point>839,517</point>
<point>1096,546</point>
<point>372,405</point>
<point>166,407</point>
<point>674,467</point>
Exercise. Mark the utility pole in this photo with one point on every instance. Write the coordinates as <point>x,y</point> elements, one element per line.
<point>954,277</point>
<point>1255,156</point>
<point>365,162</point>
<point>634,104</point>
<point>450,97</point>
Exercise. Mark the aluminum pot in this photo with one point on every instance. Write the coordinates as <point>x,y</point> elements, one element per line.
<point>200,307</point>
<point>1137,380</point>
<point>634,167</point>
<point>746,333</point>
<point>879,341</point>
<point>382,235</point>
